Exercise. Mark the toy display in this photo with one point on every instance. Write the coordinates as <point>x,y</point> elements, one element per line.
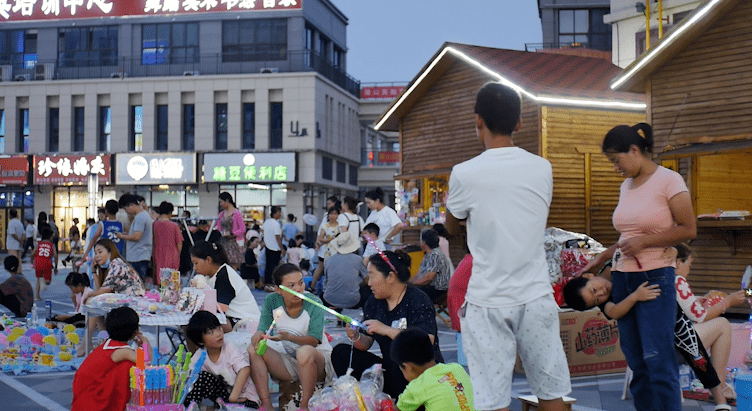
<point>26,349</point>
<point>162,387</point>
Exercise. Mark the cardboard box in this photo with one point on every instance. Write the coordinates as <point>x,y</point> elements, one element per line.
<point>591,343</point>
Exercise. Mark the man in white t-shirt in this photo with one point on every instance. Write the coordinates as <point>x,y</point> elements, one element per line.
<point>504,195</point>
<point>273,242</point>
<point>14,240</point>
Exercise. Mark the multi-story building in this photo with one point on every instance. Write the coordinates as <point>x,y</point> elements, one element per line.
<point>574,24</point>
<point>629,24</point>
<point>175,94</point>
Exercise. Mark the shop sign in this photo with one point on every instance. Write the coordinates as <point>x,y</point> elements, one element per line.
<point>154,169</point>
<point>379,92</point>
<point>388,156</point>
<point>249,168</point>
<point>18,10</point>
<point>14,170</point>
<point>50,170</point>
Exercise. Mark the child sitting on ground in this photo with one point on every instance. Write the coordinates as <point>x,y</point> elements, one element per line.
<point>437,387</point>
<point>588,290</point>
<point>80,289</point>
<point>44,255</point>
<point>102,383</point>
<point>15,292</point>
<point>298,350</point>
<point>226,371</point>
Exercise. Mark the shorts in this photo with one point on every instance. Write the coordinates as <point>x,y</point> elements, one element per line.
<point>45,272</point>
<point>497,333</point>
<point>291,363</point>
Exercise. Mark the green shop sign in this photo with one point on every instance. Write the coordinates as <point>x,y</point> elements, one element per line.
<point>249,168</point>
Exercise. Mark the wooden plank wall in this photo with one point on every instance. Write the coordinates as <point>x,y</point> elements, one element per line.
<point>439,131</point>
<point>724,181</point>
<point>715,75</point>
<point>715,266</point>
<point>567,129</point>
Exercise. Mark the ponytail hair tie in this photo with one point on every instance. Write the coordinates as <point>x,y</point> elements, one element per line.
<point>214,246</point>
<point>641,133</point>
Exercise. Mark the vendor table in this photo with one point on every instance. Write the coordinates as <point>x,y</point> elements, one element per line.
<point>167,320</point>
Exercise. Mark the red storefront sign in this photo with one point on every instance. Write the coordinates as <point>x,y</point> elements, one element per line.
<point>14,170</point>
<point>20,10</point>
<point>380,92</point>
<point>389,157</point>
<point>52,170</point>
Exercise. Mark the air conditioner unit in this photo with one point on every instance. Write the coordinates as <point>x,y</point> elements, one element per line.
<point>6,73</point>
<point>119,74</point>
<point>191,73</point>
<point>45,71</point>
<point>268,70</point>
<point>22,77</point>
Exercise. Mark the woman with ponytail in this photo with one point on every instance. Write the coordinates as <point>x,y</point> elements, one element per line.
<point>654,213</point>
<point>393,307</point>
<point>232,227</point>
<point>233,295</point>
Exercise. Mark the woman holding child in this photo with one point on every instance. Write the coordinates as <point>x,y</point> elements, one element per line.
<point>654,213</point>
<point>393,307</point>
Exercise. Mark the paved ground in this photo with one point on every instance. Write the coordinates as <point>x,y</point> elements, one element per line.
<point>52,391</point>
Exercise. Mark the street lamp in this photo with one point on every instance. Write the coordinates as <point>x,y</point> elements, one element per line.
<point>640,6</point>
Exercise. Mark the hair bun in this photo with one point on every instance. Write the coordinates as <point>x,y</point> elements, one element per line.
<point>403,256</point>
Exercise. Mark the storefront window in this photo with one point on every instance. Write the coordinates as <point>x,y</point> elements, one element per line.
<point>185,199</point>
<point>254,200</point>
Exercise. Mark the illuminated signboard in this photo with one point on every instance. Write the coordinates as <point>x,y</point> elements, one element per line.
<point>71,169</point>
<point>249,168</point>
<point>379,92</point>
<point>14,170</point>
<point>19,10</point>
<point>155,169</point>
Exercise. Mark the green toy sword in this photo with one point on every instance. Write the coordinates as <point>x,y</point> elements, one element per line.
<point>341,316</point>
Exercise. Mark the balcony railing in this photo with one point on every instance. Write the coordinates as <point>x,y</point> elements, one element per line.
<point>553,46</point>
<point>205,64</point>
<point>379,158</point>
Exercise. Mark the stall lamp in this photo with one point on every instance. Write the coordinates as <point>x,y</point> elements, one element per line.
<point>163,187</point>
<point>640,6</point>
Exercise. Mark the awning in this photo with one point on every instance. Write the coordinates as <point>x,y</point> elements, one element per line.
<point>708,148</point>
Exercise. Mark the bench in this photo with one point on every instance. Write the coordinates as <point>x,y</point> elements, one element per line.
<point>529,401</point>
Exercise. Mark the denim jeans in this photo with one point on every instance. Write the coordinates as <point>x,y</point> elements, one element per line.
<point>141,267</point>
<point>647,340</point>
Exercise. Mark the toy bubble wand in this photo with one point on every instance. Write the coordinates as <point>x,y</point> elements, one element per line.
<point>342,317</point>
<point>262,344</point>
<point>194,376</point>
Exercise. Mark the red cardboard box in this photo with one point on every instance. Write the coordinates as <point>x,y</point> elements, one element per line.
<point>591,343</point>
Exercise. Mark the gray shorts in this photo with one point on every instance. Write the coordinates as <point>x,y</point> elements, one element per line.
<point>491,338</point>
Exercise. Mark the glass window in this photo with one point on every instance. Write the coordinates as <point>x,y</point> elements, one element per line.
<point>18,48</point>
<point>53,144</point>
<point>78,128</point>
<point>353,180</point>
<point>136,141</point>
<point>220,127</point>
<point>326,168</point>
<point>249,126</point>
<point>341,171</point>
<point>105,129</point>
<point>275,125</point>
<point>254,40</point>
<point>585,27</point>
<point>23,130</point>
<point>88,46</point>
<point>162,123</point>
<point>166,43</point>
<point>189,126</point>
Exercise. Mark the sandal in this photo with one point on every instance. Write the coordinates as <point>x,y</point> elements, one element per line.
<point>729,392</point>
<point>269,289</point>
<point>722,407</point>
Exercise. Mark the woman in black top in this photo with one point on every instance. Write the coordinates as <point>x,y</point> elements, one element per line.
<point>393,307</point>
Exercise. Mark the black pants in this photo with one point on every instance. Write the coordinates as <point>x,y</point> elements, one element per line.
<point>28,245</point>
<point>272,261</point>
<point>394,381</point>
<point>209,386</point>
<point>12,303</point>
<point>685,338</point>
<point>432,292</point>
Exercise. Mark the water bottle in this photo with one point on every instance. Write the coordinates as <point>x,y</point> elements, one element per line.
<point>684,379</point>
<point>35,314</point>
<point>29,320</point>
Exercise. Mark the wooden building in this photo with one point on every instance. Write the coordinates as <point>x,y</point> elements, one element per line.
<point>568,107</point>
<point>698,85</point>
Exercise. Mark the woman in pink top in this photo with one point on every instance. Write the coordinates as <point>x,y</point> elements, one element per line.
<point>231,226</point>
<point>168,241</point>
<point>654,213</point>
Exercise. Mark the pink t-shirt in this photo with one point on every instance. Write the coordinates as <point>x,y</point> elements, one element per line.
<point>81,297</point>
<point>644,210</point>
<point>167,236</point>
<point>228,365</point>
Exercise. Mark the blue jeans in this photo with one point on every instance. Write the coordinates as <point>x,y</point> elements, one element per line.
<point>647,340</point>
<point>141,267</point>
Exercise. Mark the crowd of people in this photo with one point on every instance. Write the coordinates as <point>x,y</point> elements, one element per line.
<point>501,297</point>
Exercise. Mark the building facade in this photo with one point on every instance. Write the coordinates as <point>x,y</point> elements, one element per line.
<point>175,95</point>
<point>628,20</point>
<point>574,23</point>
